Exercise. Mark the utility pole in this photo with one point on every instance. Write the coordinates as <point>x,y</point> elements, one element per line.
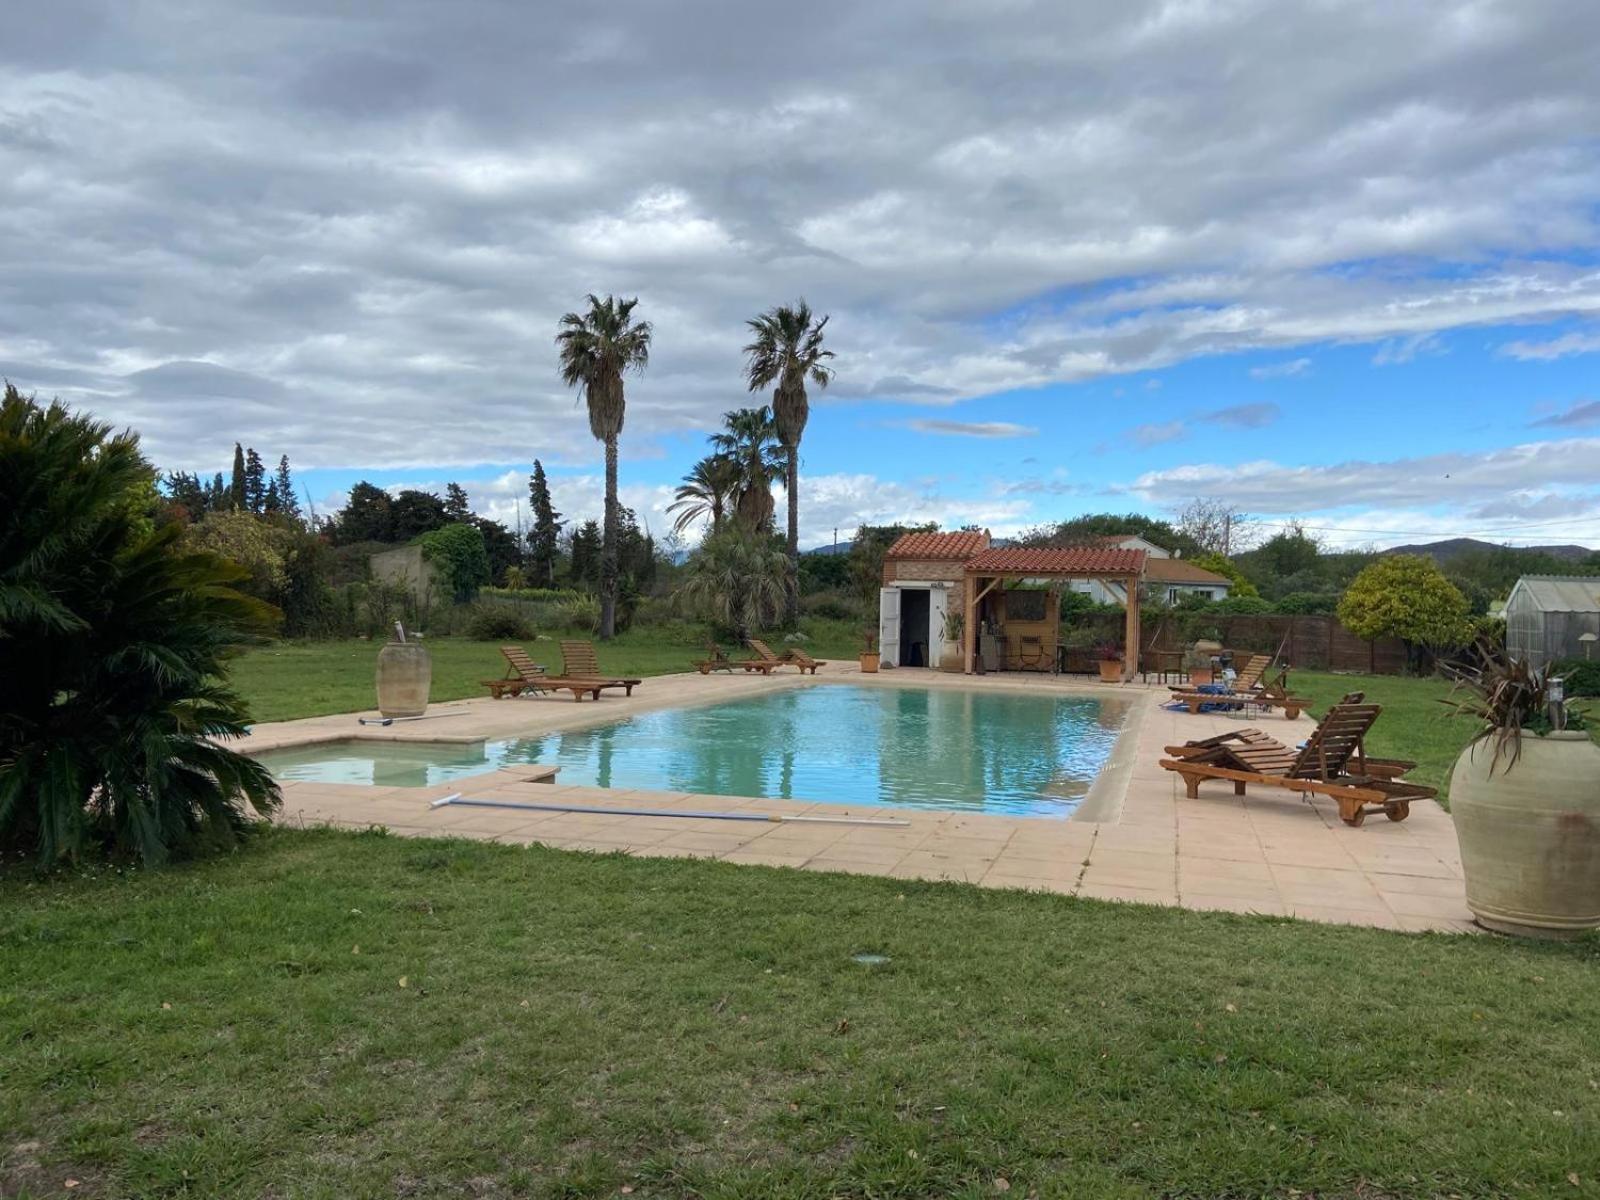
<point>836,539</point>
<point>1227,534</point>
<point>522,544</point>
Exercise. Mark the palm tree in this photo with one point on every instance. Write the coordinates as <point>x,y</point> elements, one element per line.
<point>706,491</point>
<point>597,348</point>
<point>787,351</point>
<point>748,440</point>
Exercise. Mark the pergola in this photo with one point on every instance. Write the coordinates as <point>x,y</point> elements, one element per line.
<point>998,565</point>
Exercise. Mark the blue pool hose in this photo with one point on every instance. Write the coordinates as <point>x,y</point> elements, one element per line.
<point>455,798</point>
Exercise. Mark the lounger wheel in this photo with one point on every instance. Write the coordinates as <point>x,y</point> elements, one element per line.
<point>1397,810</point>
<point>1355,818</point>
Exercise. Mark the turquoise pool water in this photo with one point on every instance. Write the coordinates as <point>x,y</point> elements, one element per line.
<point>917,747</point>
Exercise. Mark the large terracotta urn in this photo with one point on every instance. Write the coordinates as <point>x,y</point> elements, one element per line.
<point>1530,834</point>
<point>405,672</point>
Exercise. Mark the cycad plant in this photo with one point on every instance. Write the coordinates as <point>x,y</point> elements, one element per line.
<point>598,347</point>
<point>787,351</point>
<point>113,648</point>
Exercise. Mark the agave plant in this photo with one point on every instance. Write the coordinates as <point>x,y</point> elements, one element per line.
<point>1505,696</point>
<point>113,646</point>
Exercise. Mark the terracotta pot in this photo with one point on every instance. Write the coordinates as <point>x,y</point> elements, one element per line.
<point>952,661</point>
<point>869,662</point>
<point>1530,835</point>
<point>405,672</point>
<point>1199,677</point>
<point>1110,670</point>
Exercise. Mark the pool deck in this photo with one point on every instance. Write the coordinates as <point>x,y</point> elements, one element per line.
<point>1136,838</point>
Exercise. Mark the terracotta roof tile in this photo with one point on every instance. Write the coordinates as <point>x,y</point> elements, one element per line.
<point>1177,570</point>
<point>1068,560</point>
<point>961,545</point>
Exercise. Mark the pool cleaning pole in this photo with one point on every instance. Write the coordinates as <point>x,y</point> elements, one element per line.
<point>777,818</point>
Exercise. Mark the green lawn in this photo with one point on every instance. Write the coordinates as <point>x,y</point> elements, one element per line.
<point>347,1015</point>
<point>309,679</point>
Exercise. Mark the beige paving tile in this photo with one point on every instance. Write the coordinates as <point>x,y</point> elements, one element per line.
<point>1268,906</point>
<point>1129,877</point>
<point>756,857</point>
<point>1376,918</point>
<point>1410,904</point>
<point>1094,891</point>
<point>1413,924</point>
<point>1028,883</point>
<point>1421,885</point>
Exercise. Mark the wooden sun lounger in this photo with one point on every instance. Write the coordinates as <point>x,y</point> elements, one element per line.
<point>1291,705</point>
<point>526,677</point>
<point>719,660</point>
<point>1332,763</point>
<point>764,661</point>
<point>1248,679</point>
<point>800,659</point>
<point>579,662</point>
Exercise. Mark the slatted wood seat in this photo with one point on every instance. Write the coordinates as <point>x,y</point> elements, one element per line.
<point>718,660</point>
<point>526,677</point>
<point>579,662</point>
<point>804,661</point>
<point>765,661</point>
<point>1332,762</point>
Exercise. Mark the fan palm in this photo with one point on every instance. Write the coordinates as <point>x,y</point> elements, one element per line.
<point>736,580</point>
<point>597,349</point>
<point>749,440</point>
<point>705,493</point>
<point>113,646</point>
<point>787,351</point>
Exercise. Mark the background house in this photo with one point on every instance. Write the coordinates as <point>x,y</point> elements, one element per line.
<point>1167,578</point>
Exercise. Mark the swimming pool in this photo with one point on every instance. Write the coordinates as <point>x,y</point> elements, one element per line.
<point>932,748</point>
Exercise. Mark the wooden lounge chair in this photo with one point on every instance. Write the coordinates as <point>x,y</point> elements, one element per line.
<point>1195,701</point>
<point>1248,679</point>
<point>578,661</point>
<point>1332,762</point>
<point>803,660</point>
<point>765,661</point>
<point>719,660</point>
<point>526,677</point>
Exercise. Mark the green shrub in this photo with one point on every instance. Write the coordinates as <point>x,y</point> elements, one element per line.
<point>113,647</point>
<point>495,623</point>
<point>581,613</point>
<point>1583,678</point>
<point>835,605</point>
<point>1307,603</point>
<point>457,552</point>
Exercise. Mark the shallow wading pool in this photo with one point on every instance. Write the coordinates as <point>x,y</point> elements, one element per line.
<point>931,748</point>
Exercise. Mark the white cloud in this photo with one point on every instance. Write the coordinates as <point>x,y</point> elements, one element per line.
<point>1283,370</point>
<point>1567,343</point>
<point>975,429</point>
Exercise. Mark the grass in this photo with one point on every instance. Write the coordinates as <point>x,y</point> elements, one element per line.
<point>285,680</point>
<point>347,1015</point>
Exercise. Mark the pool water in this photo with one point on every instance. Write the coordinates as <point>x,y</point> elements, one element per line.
<point>995,752</point>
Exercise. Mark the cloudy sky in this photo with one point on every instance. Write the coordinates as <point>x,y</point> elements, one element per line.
<point>1335,261</point>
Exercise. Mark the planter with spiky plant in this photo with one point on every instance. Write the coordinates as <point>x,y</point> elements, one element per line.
<point>787,351</point>
<point>598,347</point>
<point>1525,796</point>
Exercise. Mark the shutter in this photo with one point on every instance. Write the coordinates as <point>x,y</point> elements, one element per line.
<point>889,626</point>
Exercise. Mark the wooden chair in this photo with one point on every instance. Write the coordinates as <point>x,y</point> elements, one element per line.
<point>719,660</point>
<point>767,662</point>
<point>803,660</point>
<point>1332,763</point>
<point>579,661</point>
<point>527,677</point>
<point>1031,654</point>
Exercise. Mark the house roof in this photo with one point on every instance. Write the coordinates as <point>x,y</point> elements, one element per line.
<point>960,545</point>
<point>1178,570</point>
<point>1559,593</point>
<point>1068,561</point>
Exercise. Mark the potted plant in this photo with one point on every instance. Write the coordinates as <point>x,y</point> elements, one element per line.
<point>952,660</point>
<point>1525,796</point>
<point>869,653</point>
<point>1109,655</point>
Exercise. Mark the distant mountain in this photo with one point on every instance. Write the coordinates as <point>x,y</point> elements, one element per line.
<point>1453,547</point>
<point>830,548</point>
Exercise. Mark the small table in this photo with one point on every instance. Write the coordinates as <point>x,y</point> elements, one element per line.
<point>1161,663</point>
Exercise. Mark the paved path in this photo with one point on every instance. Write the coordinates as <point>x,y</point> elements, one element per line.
<point>1270,852</point>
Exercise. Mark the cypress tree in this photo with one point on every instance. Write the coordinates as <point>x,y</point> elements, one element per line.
<point>544,538</point>
<point>236,492</point>
<point>456,505</point>
<point>255,481</point>
<point>287,504</point>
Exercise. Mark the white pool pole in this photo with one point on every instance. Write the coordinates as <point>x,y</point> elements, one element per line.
<point>771,818</point>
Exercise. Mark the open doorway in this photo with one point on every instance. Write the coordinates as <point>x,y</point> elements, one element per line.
<point>914,631</point>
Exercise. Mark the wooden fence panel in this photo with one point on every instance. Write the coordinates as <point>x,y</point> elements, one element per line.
<point>1311,642</point>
